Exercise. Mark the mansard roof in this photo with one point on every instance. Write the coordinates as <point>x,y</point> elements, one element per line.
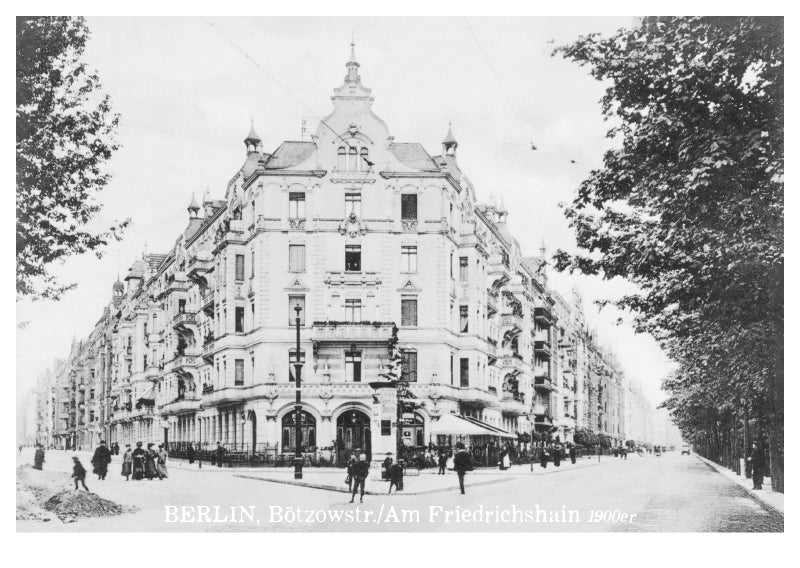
<point>413,155</point>
<point>290,154</point>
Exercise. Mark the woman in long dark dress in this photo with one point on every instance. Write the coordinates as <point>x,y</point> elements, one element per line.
<point>139,459</point>
<point>150,468</point>
<point>190,453</point>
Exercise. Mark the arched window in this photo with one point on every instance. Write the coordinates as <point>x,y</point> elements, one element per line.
<point>353,164</point>
<point>341,162</point>
<point>308,432</point>
<point>364,158</point>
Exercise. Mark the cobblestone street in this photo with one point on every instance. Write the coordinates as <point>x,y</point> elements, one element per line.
<point>671,493</point>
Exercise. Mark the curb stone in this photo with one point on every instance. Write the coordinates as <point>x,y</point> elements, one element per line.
<point>756,495</point>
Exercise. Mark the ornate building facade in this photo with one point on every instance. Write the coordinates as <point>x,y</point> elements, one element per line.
<point>373,239</point>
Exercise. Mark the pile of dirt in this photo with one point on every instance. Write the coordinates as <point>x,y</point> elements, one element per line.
<point>42,496</point>
<point>68,505</point>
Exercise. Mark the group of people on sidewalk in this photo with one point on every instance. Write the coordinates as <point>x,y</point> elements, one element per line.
<point>137,464</point>
<point>144,464</point>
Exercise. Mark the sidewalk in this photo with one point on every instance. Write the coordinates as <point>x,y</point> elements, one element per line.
<point>428,481</point>
<point>770,499</point>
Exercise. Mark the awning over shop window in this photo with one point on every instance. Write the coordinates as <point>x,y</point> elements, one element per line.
<point>464,426</point>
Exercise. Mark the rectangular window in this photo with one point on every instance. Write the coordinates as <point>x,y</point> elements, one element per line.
<point>409,359</point>
<point>463,269</point>
<point>239,323</point>
<point>238,379</point>
<point>252,263</point>
<point>408,312</point>
<point>464,319</point>
<point>452,276</point>
<point>297,206</point>
<point>297,258</point>
<point>408,207</point>
<point>293,360</point>
<point>464,372</point>
<point>240,267</point>
<point>352,310</point>
<point>452,371</point>
<point>293,302</point>
<point>352,204</point>
<point>386,427</point>
<point>409,256</point>
<point>352,366</point>
<point>352,258</point>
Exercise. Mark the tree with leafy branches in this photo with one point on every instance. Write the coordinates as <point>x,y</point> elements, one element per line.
<point>688,205</point>
<point>65,136</point>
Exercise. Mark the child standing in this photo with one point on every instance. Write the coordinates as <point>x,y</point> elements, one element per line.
<point>79,473</point>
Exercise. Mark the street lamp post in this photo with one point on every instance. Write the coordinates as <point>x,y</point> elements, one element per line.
<point>298,432</point>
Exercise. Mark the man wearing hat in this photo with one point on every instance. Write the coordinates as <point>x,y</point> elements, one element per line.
<point>361,471</point>
<point>101,459</point>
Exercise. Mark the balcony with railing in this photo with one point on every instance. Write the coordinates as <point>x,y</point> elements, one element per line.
<point>513,403</point>
<point>183,361</point>
<point>185,318</point>
<point>343,331</point>
<point>207,302</point>
<point>499,267</point>
<point>511,322</point>
<point>183,403</point>
<point>541,347</point>
<point>543,382</point>
<point>543,316</point>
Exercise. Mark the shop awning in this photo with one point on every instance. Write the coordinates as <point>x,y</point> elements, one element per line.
<point>460,425</point>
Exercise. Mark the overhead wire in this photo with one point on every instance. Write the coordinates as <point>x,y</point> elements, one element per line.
<point>274,79</point>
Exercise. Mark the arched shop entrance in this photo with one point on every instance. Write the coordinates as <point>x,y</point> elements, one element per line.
<point>308,432</point>
<point>353,435</point>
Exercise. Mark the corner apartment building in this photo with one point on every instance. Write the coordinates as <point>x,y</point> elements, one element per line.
<point>370,237</point>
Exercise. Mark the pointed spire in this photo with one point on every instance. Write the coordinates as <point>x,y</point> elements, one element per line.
<point>353,50</point>
<point>449,144</point>
<point>193,208</point>
<point>207,196</point>
<point>253,140</point>
<point>352,65</point>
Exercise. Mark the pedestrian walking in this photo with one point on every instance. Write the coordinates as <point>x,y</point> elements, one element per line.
<point>38,457</point>
<point>161,462</point>
<point>139,458</point>
<point>462,463</point>
<point>78,473</point>
<point>544,457</point>
<point>557,455</point>
<point>220,454</point>
<point>100,460</point>
<point>573,453</point>
<point>442,463</point>
<point>396,477</point>
<point>190,453</point>
<point>758,461</point>
<point>360,477</point>
<point>150,457</point>
<point>351,470</point>
<point>127,462</point>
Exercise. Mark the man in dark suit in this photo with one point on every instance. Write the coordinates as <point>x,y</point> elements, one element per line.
<point>442,462</point>
<point>462,463</point>
<point>758,463</point>
<point>360,473</point>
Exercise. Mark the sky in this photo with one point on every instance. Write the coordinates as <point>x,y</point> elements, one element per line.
<point>186,96</point>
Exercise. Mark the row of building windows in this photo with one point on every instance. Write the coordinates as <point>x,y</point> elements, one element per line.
<point>352,205</point>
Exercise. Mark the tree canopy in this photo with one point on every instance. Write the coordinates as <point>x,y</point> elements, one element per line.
<point>689,205</point>
<point>65,135</point>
